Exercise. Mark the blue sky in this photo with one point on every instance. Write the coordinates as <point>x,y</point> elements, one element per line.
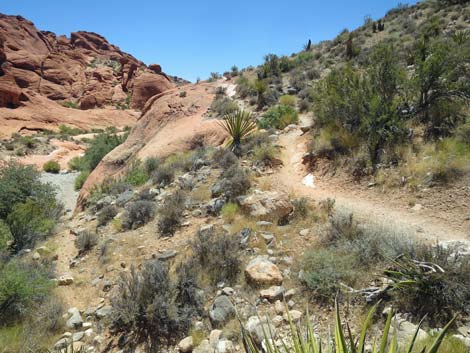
<point>190,39</point>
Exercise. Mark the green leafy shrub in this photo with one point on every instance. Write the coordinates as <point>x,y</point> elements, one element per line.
<point>30,222</point>
<point>324,269</point>
<point>151,164</point>
<point>146,310</point>
<point>69,104</point>
<point>265,154</point>
<point>138,213</point>
<point>244,87</point>
<point>100,146</point>
<point>170,213</point>
<point>22,285</point>
<point>279,117</point>
<point>136,175</point>
<point>71,131</point>
<point>229,211</point>
<point>18,183</point>
<point>51,167</point>
<point>5,236</point>
<point>287,100</point>
<point>85,241</point>
<point>80,180</point>
<point>28,142</point>
<point>77,163</point>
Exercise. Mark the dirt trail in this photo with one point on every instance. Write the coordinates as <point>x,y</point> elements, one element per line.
<point>366,206</point>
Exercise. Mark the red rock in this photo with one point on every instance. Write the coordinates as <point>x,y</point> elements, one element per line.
<point>146,86</point>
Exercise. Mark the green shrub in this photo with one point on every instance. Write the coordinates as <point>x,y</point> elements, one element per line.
<point>265,154</point>
<point>100,146</point>
<point>80,180</point>
<point>136,175</point>
<point>170,213</point>
<point>71,131</point>
<point>223,105</point>
<point>29,222</point>
<point>244,87</point>
<point>69,104</point>
<point>279,117</point>
<point>224,158</point>
<point>232,183</point>
<point>5,236</point>
<point>463,133</point>
<point>22,285</point>
<point>77,163</point>
<point>28,141</point>
<point>163,175</point>
<point>151,164</point>
<point>218,256</point>
<point>51,167</point>
<point>107,214</point>
<point>434,282</point>
<point>229,211</point>
<point>85,241</point>
<point>324,269</point>
<point>138,213</point>
<point>146,309</point>
<point>287,100</point>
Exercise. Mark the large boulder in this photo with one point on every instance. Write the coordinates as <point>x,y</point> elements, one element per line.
<point>267,205</point>
<point>10,93</point>
<point>146,86</point>
<point>260,272</point>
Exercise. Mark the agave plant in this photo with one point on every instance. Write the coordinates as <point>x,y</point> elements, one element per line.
<point>238,125</point>
<point>305,341</point>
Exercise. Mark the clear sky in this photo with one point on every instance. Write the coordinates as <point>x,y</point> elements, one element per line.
<point>190,39</point>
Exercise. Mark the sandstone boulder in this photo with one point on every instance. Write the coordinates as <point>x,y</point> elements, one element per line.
<point>146,86</point>
<point>267,205</point>
<point>260,271</point>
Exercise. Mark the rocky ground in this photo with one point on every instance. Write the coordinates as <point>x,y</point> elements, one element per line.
<point>268,286</point>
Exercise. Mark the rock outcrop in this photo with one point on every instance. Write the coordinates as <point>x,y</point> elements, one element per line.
<point>84,70</point>
<point>171,122</point>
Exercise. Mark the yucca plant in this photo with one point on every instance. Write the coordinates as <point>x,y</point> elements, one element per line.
<point>305,341</point>
<point>238,125</point>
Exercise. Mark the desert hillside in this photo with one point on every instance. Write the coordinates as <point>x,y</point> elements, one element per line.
<point>318,202</point>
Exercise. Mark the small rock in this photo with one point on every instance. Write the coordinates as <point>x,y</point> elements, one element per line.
<point>268,237</point>
<point>304,232</point>
<point>295,315</point>
<point>62,344</point>
<point>225,346</point>
<point>104,312</point>
<point>75,321</point>
<point>272,293</point>
<point>186,345</point>
<point>77,336</point>
<point>214,338</point>
<point>221,311</point>
<point>279,307</point>
<point>65,280</point>
<point>229,291</point>
<point>264,223</point>
<point>169,254</point>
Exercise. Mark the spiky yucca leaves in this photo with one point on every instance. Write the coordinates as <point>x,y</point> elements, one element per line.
<point>238,125</point>
<point>305,341</point>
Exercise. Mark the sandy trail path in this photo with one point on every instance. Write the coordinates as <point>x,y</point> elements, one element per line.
<point>422,224</point>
